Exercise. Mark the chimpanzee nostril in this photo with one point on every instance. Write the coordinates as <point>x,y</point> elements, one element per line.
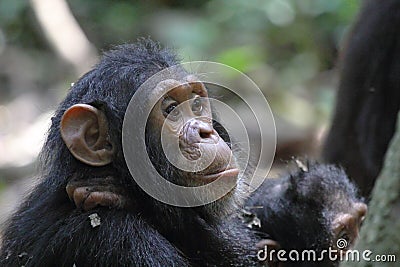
<point>205,130</point>
<point>205,135</point>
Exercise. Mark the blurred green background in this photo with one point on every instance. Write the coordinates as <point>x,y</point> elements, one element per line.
<point>288,47</point>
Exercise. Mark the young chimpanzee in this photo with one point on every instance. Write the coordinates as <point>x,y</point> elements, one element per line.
<point>368,99</point>
<point>82,159</point>
<point>314,208</point>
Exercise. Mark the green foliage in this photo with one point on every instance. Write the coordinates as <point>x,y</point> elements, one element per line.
<point>240,58</point>
<point>10,10</point>
<point>297,39</point>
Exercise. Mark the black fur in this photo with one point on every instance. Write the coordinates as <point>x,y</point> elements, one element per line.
<point>48,230</point>
<point>368,99</point>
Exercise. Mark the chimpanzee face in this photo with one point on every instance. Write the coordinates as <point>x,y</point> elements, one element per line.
<point>182,117</point>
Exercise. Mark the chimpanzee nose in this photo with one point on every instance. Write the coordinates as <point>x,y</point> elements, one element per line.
<point>195,131</point>
<point>361,209</point>
<point>205,130</point>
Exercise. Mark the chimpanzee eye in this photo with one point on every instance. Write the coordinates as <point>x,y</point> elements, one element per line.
<point>345,236</point>
<point>171,110</point>
<point>197,106</point>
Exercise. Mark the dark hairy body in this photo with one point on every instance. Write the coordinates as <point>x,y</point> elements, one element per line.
<point>368,99</point>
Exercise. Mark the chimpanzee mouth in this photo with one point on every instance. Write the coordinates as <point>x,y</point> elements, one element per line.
<point>228,172</point>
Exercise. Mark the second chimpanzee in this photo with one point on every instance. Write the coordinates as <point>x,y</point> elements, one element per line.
<point>314,208</point>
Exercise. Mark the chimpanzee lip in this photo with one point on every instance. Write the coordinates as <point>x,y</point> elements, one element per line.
<point>231,172</point>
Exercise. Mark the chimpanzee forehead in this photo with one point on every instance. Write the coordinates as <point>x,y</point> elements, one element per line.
<point>182,93</point>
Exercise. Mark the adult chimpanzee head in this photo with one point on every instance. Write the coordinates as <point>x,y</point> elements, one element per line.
<point>91,119</point>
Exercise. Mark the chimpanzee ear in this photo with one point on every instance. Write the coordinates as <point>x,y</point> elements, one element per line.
<point>84,130</point>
